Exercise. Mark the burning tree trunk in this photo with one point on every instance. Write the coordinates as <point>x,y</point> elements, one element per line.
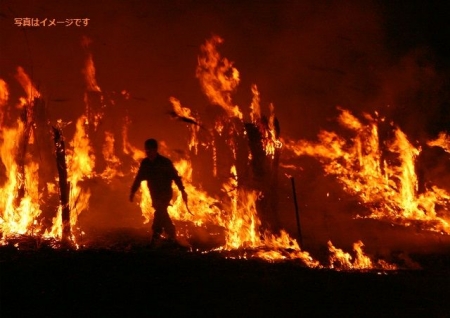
<point>26,117</point>
<point>63,184</point>
<point>264,169</point>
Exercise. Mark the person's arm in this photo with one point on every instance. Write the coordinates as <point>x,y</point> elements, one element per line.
<point>179,182</point>
<point>137,182</point>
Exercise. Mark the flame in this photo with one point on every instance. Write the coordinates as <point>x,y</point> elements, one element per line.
<point>112,161</point>
<point>186,114</point>
<point>128,148</point>
<point>235,209</point>
<point>443,141</point>
<point>255,108</point>
<point>4,93</point>
<point>18,217</point>
<point>218,77</point>
<point>27,85</point>
<point>341,260</point>
<point>271,142</point>
<point>80,164</point>
<point>89,67</point>
<point>388,188</point>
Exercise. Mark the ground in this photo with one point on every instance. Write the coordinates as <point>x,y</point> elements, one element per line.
<point>133,280</point>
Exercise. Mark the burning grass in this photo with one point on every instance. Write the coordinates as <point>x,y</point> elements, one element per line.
<point>382,177</point>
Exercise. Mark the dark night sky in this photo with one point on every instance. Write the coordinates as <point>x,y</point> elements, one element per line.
<point>305,57</point>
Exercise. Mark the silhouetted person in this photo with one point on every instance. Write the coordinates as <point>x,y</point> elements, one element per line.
<point>159,172</point>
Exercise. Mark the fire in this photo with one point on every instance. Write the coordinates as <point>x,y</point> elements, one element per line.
<point>27,85</point>
<point>443,141</point>
<point>360,169</point>
<point>388,188</point>
<point>185,114</point>
<point>19,213</point>
<point>19,195</point>
<point>218,77</point>
<point>112,161</point>
<point>80,162</point>
<point>341,260</point>
<point>255,107</point>
<point>128,149</point>
<point>89,67</point>
<point>4,93</point>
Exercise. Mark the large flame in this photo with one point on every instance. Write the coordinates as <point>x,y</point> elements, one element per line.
<point>218,77</point>
<point>80,161</point>
<point>235,209</point>
<point>387,187</point>
<point>18,214</point>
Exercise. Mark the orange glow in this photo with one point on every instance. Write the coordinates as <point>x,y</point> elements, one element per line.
<point>255,107</point>
<point>17,217</point>
<point>186,114</point>
<point>218,77</point>
<point>27,85</point>
<point>80,165</point>
<point>443,141</point>
<point>389,190</point>
<point>341,260</point>
<point>4,93</point>
<point>89,67</point>
<point>112,161</point>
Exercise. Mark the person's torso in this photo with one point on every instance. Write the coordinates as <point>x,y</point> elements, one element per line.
<point>159,175</point>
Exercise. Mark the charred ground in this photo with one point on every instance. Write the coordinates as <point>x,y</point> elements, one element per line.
<point>135,281</point>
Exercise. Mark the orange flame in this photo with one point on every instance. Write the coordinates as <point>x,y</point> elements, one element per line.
<point>341,260</point>
<point>80,164</point>
<point>443,141</point>
<point>21,217</point>
<point>218,77</point>
<point>89,67</point>
<point>389,190</point>
<point>112,161</point>
<point>4,93</point>
<point>185,113</point>
<point>27,85</point>
<point>255,108</point>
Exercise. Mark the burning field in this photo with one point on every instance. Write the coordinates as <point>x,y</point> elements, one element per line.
<point>355,215</point>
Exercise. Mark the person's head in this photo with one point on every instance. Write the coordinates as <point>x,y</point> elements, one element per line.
<point>151,148</point>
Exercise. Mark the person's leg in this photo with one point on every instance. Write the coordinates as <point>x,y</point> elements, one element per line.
<point>157,226</point>
<point>162,220</point>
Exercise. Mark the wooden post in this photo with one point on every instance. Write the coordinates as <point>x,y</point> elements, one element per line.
<point>297,216</point>
<point>63,184</point>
